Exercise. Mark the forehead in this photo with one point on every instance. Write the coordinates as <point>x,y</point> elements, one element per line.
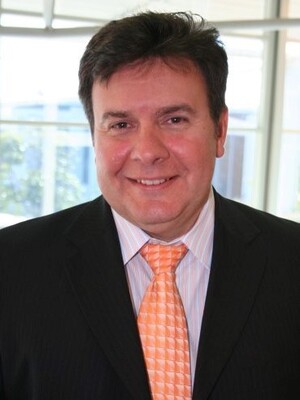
<point>147,87</point>
<point>167,73</point>
<point>178,64</point>
<point>153,66</point>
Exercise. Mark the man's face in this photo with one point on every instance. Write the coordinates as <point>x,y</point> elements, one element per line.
<point>155,145</point>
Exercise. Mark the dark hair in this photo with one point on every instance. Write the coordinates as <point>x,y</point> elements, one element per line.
<point>150,34</point>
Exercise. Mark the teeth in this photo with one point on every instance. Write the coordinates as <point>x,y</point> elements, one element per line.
<point>149,182</point>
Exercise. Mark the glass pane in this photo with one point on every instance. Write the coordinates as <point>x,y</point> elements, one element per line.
<point>104,10</point>
<point>210,9</point>
<point>44,169</point>
<point>236,174</point>
<point>38,79</point>
<point>291,115</point>
<point>245,59</point>
<point>294,9</point>
<point>221,10</point>
<point>22,21</point>
<point>288,204</point>
<point>46,156</point>
<point>28,5</point>
<point>289,177</point>
<point>59,23</point>
<point>294,12</point>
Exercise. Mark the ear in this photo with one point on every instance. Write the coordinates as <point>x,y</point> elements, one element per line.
<point>221,133</point>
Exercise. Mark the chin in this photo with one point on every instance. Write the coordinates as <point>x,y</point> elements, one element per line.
<point>155,217</point>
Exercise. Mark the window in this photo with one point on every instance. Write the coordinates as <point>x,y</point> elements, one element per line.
<point>288,187</point>
<point>236,172</point>
<point>46,156</point>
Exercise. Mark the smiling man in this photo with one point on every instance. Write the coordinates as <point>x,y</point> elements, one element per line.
<point>156,144</point>
<point>160,288</point>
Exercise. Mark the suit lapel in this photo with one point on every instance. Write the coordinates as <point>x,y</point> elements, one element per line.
<point>96,273</point>
<point>236,271</point>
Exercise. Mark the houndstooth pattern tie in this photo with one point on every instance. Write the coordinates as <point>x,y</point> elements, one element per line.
<point>162,326</point>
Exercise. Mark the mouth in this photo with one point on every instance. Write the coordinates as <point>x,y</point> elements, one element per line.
<point>152,182</point>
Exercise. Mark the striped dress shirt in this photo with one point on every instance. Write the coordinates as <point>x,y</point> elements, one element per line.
<point>192,273</point>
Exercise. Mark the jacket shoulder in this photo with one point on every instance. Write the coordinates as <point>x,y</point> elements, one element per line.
<point>278,231</point>
<point>46,228</point>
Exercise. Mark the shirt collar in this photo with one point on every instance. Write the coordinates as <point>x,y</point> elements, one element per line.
<point>199,239</point>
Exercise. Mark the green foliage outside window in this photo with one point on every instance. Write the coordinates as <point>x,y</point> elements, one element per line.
<point>22,182</point>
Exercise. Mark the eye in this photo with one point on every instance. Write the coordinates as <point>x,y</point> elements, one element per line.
<point>177,120</point>
<point>120,125</point>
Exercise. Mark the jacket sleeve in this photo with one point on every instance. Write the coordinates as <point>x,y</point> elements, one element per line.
<point>1,383</point>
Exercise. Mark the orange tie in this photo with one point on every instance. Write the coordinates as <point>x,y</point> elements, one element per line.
<point>162,326</point>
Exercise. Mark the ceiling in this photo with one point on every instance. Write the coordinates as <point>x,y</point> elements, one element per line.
<point>95,10</point>
<point>57,14</point>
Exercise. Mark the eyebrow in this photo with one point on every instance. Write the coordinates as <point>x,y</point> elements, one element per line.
<point>161,112</point>
<point>175,108</point>
<point>114,114</point>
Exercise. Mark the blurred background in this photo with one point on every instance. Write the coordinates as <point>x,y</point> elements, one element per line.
<point>46,155</point>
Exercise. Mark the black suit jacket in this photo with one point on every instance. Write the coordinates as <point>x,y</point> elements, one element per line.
<point>68,331</point>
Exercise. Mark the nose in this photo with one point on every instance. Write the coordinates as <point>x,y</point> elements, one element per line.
<point>149,146</point>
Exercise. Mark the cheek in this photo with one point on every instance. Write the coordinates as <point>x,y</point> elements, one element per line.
<point>110,156</point>
<point>199,161</point>
<point>193,153</point>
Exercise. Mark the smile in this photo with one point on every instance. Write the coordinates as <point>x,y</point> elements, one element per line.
<point>152,182</point>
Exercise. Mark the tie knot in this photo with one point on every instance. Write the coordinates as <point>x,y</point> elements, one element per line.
<point>163,258</point>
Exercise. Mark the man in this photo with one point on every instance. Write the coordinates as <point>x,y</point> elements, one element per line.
<point>72,283</point>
